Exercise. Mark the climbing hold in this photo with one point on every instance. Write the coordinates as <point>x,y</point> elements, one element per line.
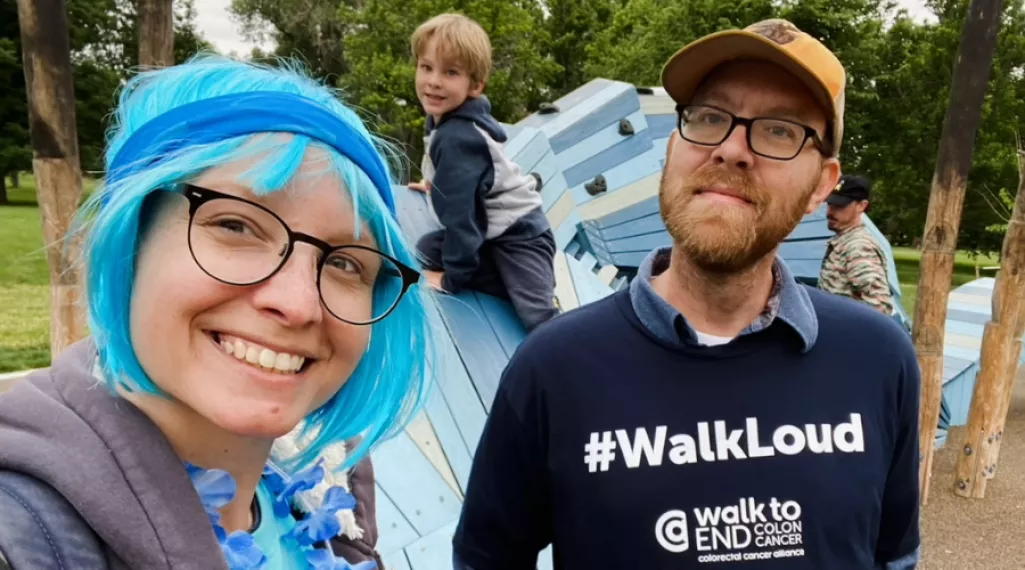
<point>596,186</point>
<point>547,109</point>
<point>625,128</point>
<point>540,183</point>
<point>645,91</point>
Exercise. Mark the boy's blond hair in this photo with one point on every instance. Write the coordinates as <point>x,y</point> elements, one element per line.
<point>459,40</point>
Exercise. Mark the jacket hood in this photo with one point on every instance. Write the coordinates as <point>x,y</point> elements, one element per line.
<point>478,111</point>
<point>62,426</point>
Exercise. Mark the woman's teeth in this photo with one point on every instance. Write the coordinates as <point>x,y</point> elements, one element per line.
<point>261,357</point>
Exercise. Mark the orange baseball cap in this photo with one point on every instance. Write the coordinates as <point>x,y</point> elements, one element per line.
<point>777,41</point>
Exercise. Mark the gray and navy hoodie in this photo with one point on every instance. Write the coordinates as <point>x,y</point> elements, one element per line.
<point>477,192</point>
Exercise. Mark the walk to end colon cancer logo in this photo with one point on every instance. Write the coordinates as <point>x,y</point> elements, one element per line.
<point>747,531</point>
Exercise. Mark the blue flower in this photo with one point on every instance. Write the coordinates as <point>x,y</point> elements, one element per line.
<point>216,488</point>
<point>323,524</point>
<point>302,481</point>
<point>242,553</point>
<point>324,559</point>
<point>275,480</point>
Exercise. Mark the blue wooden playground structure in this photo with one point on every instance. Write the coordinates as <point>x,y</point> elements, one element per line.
<point>600,152</point>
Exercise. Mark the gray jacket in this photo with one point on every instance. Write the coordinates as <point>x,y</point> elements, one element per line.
<point>113,465</point>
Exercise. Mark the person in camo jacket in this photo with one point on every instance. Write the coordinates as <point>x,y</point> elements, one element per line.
<point>855,265</point>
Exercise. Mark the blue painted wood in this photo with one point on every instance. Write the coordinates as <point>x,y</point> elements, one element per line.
<point>603,159</point>
<point>533,153</point>
<point>607,137</point>
<point>413,485</point>
<point>459,392</point>
<point>547,167</point>
<point>645,242</point>
<point>963,328</point>
<point>553,190</point>
<point>396,561</point>
<point>968,316</point>
<point>394,530</point>
<point>961,353</point>
<point>588,286</point>
<point>434,551</point>
<point>519,141</point>
<point>507,326</point>
<point>572,99</point>
<point>591,116</point>
<point>622,175</point>
<point>478,346</point>
<point>661,125</point>
<point>457,453</point>
<point>640,209</point>
<point>567,230</point>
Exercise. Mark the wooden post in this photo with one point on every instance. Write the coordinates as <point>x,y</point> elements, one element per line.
<point>156,33</point>
<point>1014,228</point>
<point>51,102</point>
<point>943,220</point>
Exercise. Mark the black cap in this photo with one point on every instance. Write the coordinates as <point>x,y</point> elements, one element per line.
<point>850,189</point>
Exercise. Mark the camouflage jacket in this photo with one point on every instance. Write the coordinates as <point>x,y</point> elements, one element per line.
<point>855,267</point>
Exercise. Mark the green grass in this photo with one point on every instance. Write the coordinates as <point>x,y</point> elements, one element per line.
<point>907,261</point>
<point>24,281</point>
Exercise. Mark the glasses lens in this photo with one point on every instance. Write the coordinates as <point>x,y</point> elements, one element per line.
<point>775,138</point>
<point>360,285</point>
<point>705,125</point>
<point>237,242</point>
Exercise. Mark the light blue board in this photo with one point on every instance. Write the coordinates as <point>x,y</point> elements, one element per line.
<point>460,394</point>
<point>434,551</point>
<point>517,144</point>
<point>394,531</point>
<point>547,168</point>
<point>605,138</point>
<point>413,484</point>
<point>503,320</point>
<point>533,153</point>
<point>479,348</point>
<point>395,561</point>
<point>661,125</point>
<point>588,286</point>
<point>624,104</point>
<point>553,190</point>
<point>567,230</point>
<point>589,90</point>
<point>603,159</point>
<point>457,453</point>
<point>622,175</point>
<point>646,207</point>
<point>640,226</point>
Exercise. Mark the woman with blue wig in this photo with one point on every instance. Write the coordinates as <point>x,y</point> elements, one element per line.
<point>257,326</point>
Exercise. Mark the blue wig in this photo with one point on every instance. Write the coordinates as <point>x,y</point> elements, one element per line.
<point>390,382</point>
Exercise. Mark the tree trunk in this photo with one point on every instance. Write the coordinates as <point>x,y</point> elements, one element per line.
<point>3,190</point>
<point>989,431</point>
<point>943,220</point>
<point>51,101</point>
<point>156,33</point>
<point>16,179</point>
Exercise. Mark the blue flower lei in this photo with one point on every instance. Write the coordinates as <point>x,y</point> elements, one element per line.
<point>216,488</point>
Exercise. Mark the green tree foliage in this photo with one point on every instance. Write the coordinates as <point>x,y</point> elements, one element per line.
<point>15,152</point>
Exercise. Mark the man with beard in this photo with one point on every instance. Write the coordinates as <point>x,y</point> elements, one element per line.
<point>854,265</point>
<point>723,412</point>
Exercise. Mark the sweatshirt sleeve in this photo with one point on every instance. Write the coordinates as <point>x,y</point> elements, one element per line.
<point>462,171</point>
<point>899,539</point>
<point>505,521</point>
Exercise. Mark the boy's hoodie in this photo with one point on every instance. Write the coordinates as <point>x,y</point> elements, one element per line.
<point>477,192</point>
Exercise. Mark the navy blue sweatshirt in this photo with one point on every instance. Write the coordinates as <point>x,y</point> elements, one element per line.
<point>795,446</point>
<point>477,192</point>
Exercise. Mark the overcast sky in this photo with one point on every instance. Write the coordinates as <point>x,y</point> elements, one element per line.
<point>216,26</point>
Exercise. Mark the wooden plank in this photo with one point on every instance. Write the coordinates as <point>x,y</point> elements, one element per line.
<point>434,551</point>
<point>416,489</point>
<point>603,159</point>
<point>607,137</point>
<point>457,454</point>
<point>607,274</point>
<point>622,175</point>
<point>960,353</point>
<point>970,299</point>
<point>576,123</point>
<point>641,226</point>
<point>639,191</point>
<point>422,433</point>
<point>412,210</point>
<point>588,287</point>
<point>460,394</point>
<point>533,153</point>
<point>571,99</point>
<point>646,242</point>
<point>394,531</point>
<point>396,561</point>
<point>639,209</point>
<point>476,343</point>
<point>561,210</point>
<point>973,317</point>
<point>523,140</point>
<point>564,290</point>
<point>964,341</point>
<point>961,327</point>
<point>658,105</point>
<point>567,231</point>
<point>815,250</point>
<point>547,168</point>
<point>661,126</point>
<point>504,322</point>
<point>553,190</point>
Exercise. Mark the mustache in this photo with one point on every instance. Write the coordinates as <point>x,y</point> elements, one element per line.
<point>738,181</point>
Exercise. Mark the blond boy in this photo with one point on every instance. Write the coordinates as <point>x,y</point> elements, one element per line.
<point>495,237</point>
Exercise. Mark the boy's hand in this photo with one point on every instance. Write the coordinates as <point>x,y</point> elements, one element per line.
<point>434,279</point>
<point>419,186</point>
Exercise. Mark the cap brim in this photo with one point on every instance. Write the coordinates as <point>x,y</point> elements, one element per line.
<point>838,200</point>
<point>688,68</point>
